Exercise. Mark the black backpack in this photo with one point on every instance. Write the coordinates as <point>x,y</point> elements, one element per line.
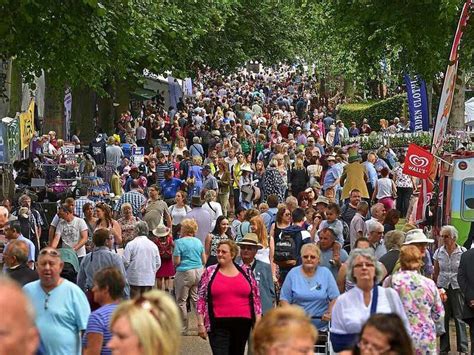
<point>345,230</point>
<point>286,253</point>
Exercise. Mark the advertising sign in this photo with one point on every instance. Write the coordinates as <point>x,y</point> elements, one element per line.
<point>418,162</point>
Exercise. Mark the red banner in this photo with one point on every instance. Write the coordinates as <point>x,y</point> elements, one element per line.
<point>418,162</point>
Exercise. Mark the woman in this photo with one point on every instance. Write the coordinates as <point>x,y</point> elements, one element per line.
<point>127,223</point>
<point>284,329</point>
<point>220,232</point>
<point>393,241</point>
<point>164,241</point>
<point>342,281</point>
<point>246,186</point>
<point>178,212</point>
<point>91,221</point>
<point>406,186</point>
<point>180,147</point>
<point>224,182</point>
<point>188,259</point>
<point>109,284</point>
<point>383,334</point>
<point>155,211</point>
<point>298,177</point>
<point>447,258</point>
<point>385,190</point>
<point>257,226</point>
<point>149,325</point>
<point>273,183</point>
<point>151,171</point>
<point>223,285</point>
<point>311,287</point>
<point>303,200</point>
<point>105,221</point>
<point>314,170</point>
<point>282,221</point>
<point>212,206</point>
<point>355,306</point>
<point>420,298</point>
<point>195,178</point>
<point>391,220</point>
<point>244,227</point>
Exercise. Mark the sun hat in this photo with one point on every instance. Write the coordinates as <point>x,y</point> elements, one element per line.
<point>196,201</point>
<point>246,167</point>
<point>250,239</point>
<point>322,199</point>
<point>316,185</point>
<point>309,189</point>
<point>161,231</point>
<point>416,236</point>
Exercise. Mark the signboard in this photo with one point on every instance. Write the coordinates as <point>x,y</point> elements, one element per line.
<point>27,125</point>
<point>138,155</point>
<point>68,152</point>
<point>12,136</point>
<point>417,103</point>
<point>418,162</point>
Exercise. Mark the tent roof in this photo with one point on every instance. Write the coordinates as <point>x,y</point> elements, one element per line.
<point>143,94</point>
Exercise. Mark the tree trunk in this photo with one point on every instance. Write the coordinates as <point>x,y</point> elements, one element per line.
<point>349,87</point>
<point>15,89</point>
<point>53,109</point>
<point>83,111</point>
<point>456,118</point>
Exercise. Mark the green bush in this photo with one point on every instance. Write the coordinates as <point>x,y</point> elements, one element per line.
<point>374,112</point>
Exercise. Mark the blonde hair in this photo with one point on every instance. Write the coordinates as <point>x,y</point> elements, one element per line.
<point>261,230</point>
<point>189,226</point>
<point>282,325</point>
<point>197,160</point>
<point>312,247</point>
<point>210,195</point>
<point>410,257</point>
<point>155,320</point>
<point>299,164</point>
<point>234,249</point>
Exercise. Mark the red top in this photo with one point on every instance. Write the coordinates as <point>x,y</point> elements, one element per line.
<point>230,296</point>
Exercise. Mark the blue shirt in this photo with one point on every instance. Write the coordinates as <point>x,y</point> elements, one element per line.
<point>31,248</point>
<point>99,322</point>
<point>60,316</point>
<point>190,250</point>
<point>371,172</point>
<point>312,294</point>
<point>170,187</point>
<point>331,176</point>
<point>327,255</point>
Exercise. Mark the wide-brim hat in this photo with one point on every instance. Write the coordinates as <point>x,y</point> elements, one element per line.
<point>250,239</point>
<point>416,236</point>
<point>322,199</point>
<point>216,133</point>
<point>161,231</point>
<point>316,185</point>
<point>196,201</point>
<point>354,158</point>
<point>246,167</point>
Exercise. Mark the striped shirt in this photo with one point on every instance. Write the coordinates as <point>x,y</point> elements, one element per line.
<point>160,171</point>
<point>98,323</point>
<point>135,198</point>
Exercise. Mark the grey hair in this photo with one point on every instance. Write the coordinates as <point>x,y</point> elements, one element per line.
<point>142,228</point>
<point>210,195</point>
<point>23,198</point>
<point>313,247</point>
<point>18,249</point>
<point>366,253</point>
<point>125,205</point>
<point>394,239</point>
<point>372,226</point>
<point>453,232</point>
<point>374,207</point>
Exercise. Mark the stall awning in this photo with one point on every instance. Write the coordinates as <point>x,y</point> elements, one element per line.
<point>143,94</point>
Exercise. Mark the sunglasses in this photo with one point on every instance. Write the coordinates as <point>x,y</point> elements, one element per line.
<point>312,257</point>
<point>49,252</point>
<point>149,306</point>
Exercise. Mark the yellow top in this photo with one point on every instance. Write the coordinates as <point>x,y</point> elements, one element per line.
<point>355,173</point>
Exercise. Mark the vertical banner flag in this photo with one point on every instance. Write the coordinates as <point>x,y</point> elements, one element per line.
<point>444,110</point>
<point>11,150</point>
<point>27,125</point>
<point>417,103</point>
<point>418,162</point>
<point>67,112</point>
<point>2,142</point>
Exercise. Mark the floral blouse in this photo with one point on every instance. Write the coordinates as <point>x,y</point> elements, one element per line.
<point>203,294</point>
<point>423,306</point>
<point>128,229</point>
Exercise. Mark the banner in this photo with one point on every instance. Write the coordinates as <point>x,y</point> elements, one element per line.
<point>444,110</point>
<point>417,104</point>
<point>418,162</point>
<point>12,128</point>
<point>2,142</point>
<point>27,125</point>
<point>67,112</point>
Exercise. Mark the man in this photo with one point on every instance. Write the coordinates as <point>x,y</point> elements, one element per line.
<point>322,204</point>
<point>209,181</point>
<point>61,307</point>
<point>375,237</point>
<point>358,228</point>
<point>156,210</point>
<point>377,213</point>
<point>113,153</point>
<point>100,258</point>
<point>18,332</point>
<point>269,216</point>
<point>36,222</point>
<point>140,134</point>
<point>371,173</point>
<point>12,233</point>
<point>82,200</point>
<point>349,210</point>
<point>16,258</point>
<point>56,219</point>
<point>331,179</point>
<point>170,186</point>
<point>288,244</point>
<point>202,217</point>
<point>71,231</point>
<point>332,258</point>
<point>133,197</point>
<point>262,272</point>
<point>142,260</point>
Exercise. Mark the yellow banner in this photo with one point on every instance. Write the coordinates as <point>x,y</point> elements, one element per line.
<point>27,125</point>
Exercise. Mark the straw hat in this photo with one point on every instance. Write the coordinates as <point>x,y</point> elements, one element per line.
<point>250,239</point>
<point>161,231</point>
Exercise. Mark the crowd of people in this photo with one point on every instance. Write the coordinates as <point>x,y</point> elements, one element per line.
<point>248,210</point>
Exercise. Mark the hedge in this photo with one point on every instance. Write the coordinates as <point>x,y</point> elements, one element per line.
<point>388,109</point>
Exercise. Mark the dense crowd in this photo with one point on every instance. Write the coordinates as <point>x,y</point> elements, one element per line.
<point>246,208</point>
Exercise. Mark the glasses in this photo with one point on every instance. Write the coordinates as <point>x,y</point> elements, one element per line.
<point>287,214</point>
<point>366,345</point>
<point>312,257</point>
<point>247,247</point>
<point>364,265</point>
<point>445,236</point>
<point>50,252</point>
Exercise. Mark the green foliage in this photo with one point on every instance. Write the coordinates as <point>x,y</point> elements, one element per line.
<point>373,112</point>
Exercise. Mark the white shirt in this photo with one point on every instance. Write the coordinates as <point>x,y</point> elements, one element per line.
<point>350,312</point>
<point>215,211</point>
<point>70,233</point>
<point>142,260</point>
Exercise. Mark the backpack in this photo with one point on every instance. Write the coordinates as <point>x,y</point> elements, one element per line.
<point>345,230</point>
<point>286,253</point>
<point>266,157</point>
<point>165,247</point>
